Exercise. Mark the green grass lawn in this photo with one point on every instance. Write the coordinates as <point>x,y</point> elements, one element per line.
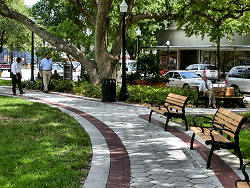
<point>244,133</point>
<point>40,146</point>
<point>5,83</point>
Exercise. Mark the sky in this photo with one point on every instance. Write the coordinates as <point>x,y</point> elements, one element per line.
<point>30,2</point>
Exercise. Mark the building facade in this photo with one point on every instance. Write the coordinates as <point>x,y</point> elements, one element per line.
<point>183,51</point>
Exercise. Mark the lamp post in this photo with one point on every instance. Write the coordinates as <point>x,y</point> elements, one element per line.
<point>138,34</point>
<point>168,43</point>
<point>32,57</point>
<point>124,95</point>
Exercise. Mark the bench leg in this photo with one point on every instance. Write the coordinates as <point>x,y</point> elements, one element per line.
<point>192,142</point>
<point>210,157</point>
<point>237,150</point>
<point>185,119</point>
<point>197,103</point>
<point>166,125</point>
<point>149,119</point>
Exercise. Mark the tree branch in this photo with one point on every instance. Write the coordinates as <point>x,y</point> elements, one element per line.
<point>163,16</point>
<point>84,11</point>
<point>53,40</point>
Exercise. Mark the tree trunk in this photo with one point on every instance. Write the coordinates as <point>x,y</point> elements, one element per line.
<point>2,40</point>
<point>218,53</point>
<point>11,57</point>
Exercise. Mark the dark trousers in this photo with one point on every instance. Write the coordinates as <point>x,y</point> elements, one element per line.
<point>16,79</point>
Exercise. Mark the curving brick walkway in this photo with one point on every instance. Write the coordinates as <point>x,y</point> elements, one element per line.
<point>141,154</point>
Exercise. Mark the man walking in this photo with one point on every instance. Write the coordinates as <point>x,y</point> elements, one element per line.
<point>16,76</point>
<point>45,71</point>
<point>207,87</point>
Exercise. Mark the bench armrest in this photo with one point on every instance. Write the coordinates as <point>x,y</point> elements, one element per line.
<point>200,116</point>
<point>220,129</point>
<point>155,101</point>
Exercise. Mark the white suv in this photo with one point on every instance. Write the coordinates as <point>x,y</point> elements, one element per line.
<point>239,78</point>
<point>201,69</point>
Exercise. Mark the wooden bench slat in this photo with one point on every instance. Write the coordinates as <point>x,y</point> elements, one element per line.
<point>177,96</point>
<point>234,116</point>
<point>243,184</point>
<point>223,122</point>
<point>174,107</point>
<point>181,102</point>
<point>159,111</point>
<point>206,135</point>
<point>175,101</point>
<point>230,121</point>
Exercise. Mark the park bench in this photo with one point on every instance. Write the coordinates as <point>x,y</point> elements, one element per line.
<point>223,132</point>
<point>173,106</point>
<point>221,94</point>
<point>243,183</point>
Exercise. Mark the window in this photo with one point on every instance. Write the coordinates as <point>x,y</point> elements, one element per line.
<point>189,67</point>
<point>177,75</point>
<point>189,75</point>
<point>203,67</point>
<point>238,72</point>
<point>248,73</point>
<point>195,67</point>
<point>170,74</point>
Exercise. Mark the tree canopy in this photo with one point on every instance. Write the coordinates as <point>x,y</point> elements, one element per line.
<point>215,19</point>
<point>14,35</point>
<point>90,30</point>
<point>73,25</point>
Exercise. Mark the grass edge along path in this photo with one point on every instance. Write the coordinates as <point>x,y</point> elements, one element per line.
<point>41,146</point>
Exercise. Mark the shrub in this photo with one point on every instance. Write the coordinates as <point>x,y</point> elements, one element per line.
<point>148,94</point>
<point>62,85</point>
<point>32,85</point>
<point>138,93</point>
<point>55,85</point>
<point>87,89</point>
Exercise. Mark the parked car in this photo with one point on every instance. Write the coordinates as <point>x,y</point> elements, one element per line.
<point>4,66</point>
<point>58,68</point>
<point>183,79</point>
<point>76,66</point>
<point>239,78</point>
<point>131,68</point>
<point>208,69</point>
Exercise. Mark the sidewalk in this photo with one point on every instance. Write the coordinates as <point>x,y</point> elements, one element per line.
<point>130,152</point>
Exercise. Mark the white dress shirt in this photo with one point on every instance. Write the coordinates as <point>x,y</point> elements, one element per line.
<point>16,68</point>
<point>203,87</point>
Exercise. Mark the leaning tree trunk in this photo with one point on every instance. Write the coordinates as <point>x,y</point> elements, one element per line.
<point>218,52</point>
<point>2,40</point>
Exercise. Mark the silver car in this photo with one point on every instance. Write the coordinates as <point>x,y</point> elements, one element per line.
<point>239,78</point>
<point>207,69</point>
<point>183,79</point>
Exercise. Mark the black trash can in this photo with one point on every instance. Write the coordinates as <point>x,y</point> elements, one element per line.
<point>108,90</point>
<point>67,71</point>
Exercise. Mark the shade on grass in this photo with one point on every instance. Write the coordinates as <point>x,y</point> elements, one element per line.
<point>41,146</point>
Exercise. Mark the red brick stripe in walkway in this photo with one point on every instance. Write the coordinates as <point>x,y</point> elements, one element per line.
<point>119,172</point>
<point>224,172</point>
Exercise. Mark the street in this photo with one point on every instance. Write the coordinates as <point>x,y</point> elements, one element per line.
<point>26,74</point>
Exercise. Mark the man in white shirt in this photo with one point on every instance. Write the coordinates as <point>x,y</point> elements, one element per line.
<point>45,71</point>
<point>207,87</point>
<point>16,76</point>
